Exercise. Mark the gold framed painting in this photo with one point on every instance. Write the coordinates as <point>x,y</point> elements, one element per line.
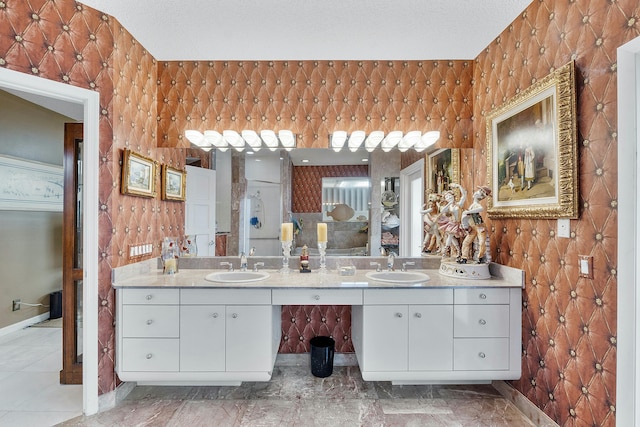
<point>138,175</point>
<point>443,169</point>
<point>174,182</point>
<point>532,164</point>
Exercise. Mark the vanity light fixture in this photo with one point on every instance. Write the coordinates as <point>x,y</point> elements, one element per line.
<point>270,139</point>
<point>338,139</point>
<point>234,139</point>
<point>391,140</point>
<point>355,140</point>
<point>215,139</point>
<point>252,139</point>
<point>427,140</point>
<point>287,139</point>
<point>197,138</point>
<point>409,140</point>
<point>373,140</point>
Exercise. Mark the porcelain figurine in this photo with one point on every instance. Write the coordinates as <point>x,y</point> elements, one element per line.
<point>304,260</point>
<point>475,228</point>
<point>449,222</point>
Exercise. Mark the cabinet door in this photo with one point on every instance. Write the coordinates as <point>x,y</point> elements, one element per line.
<point>248,338</point>
<point>431,337</point>
<point>202,338</point>
<point>385,338</point>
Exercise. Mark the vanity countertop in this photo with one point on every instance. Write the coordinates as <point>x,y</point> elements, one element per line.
<point>195,278</point>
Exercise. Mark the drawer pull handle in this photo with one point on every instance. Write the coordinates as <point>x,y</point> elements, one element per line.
<point>482,355</point>
<point>150,321</point>
<point>149,297</point>
<point>149,355</point>
<point>316,297</point>
<point>214,315</point>
<point>398,314</point>
<point>482,322</point>
<point>483,296</point>
<point>418,315</point>
<point>234,315</point>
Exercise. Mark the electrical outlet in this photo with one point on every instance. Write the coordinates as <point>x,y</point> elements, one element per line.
<point>564,228</point>
<point>586,266</point>
<point>16,304</point>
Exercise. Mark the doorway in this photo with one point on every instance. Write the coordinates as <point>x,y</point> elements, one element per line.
<point>90,104</point>
<point>411,203</point>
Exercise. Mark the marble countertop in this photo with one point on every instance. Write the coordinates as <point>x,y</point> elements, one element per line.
<point>195,278</point>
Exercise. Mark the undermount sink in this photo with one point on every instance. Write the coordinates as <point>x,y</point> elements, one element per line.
<point>236,276</point>
<point>398,276</point>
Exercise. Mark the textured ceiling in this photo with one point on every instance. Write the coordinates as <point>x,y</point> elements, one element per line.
<point>299,30</point>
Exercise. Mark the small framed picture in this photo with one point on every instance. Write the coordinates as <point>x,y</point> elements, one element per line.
<point>174,183</point>
<point>138,175</point>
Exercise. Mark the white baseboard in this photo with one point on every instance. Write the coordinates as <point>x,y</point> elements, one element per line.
<point>531,411</point>
<point>24,324</point>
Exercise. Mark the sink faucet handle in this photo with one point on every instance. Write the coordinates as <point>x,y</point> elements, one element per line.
<point>404,265</point>
<point>228,264</point>
<point>391,260</point>
<point>257,264</point>
<point>377,264</point>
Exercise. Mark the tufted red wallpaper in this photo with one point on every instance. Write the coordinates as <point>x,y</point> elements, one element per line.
<point>306,184</point>
<point>569,323</point>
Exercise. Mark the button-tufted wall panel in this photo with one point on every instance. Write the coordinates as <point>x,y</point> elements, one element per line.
<point>314,98</point>
<point>569,323</point>
<point>300,323</point>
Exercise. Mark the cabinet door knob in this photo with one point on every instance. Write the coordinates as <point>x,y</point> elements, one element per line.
<point>482,322</point>
<point>482,355</point>
<point>418,315</point>
<point>398,314</point>
<point>214,315</point>
<point>149,355</point>
<point>316,297</point>
<point>149,297</point>
<point>150,321</point>
<point>234,315</point>
<point>483,296</point>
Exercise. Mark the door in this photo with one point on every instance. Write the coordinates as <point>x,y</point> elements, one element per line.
<point>248,338</point>
<point>430,346</point>
<point>411,203</point>
<point>200,209</point>
<point>385,338</point>
<point>202,336</point>
<point>72,269</point>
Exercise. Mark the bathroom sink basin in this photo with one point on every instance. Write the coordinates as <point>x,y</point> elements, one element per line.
<point>398,276</point>
<point>236,276</point>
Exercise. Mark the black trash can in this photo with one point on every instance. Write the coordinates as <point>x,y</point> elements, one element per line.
<point>55,305</point>
<point>322,349</point>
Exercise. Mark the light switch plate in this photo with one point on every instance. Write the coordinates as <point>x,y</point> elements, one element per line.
<point>564,228</point>
<point>585,266</point>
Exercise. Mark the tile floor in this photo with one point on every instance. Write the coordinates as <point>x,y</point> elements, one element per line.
<point>30,391</point>
<point>295,398</point>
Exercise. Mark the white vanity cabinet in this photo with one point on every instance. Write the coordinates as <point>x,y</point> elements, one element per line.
<point>196,336</point>
<point>438,335</point>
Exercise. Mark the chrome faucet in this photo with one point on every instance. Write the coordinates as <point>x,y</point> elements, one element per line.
<point>257,264</point>
<point>404,265</point>
<point>390,261</point>
<point>243,262</point>
<point>227,264</point>
<point>377,264</point>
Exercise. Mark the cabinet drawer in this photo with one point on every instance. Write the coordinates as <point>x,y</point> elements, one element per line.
<point>151,296</point>
<point>481,321</point>
<point>408,296</point>
<point>225,296</point>
<point>150,354</point>
<point>481,296</point>
<point>150,321</point>
<point>480,354</point>
<point>317,297</point>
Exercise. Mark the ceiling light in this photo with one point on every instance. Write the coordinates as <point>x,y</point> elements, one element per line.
<point>338,139</point>
<point>391,140</point>
<point>215,139</point>
<point>287,139</point>
<point>234,139</point>
<point>270,139</point>
<point>409,140</point>
<point>305,160</point>
<point>252,139</point>
<point>373,140</point>
<point>427,140</point>
<point>356,139</point>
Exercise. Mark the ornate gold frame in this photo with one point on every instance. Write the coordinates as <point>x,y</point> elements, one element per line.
<point>138,175</point>
<point>557,90</point>
<point>455,167</point>
<point>176,192</point>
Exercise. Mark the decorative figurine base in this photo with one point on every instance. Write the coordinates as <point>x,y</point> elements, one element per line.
<point>464,271</point>
<point>305,270</point>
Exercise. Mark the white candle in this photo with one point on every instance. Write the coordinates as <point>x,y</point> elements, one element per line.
<point>322,232</point>
<point>286,234</point>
